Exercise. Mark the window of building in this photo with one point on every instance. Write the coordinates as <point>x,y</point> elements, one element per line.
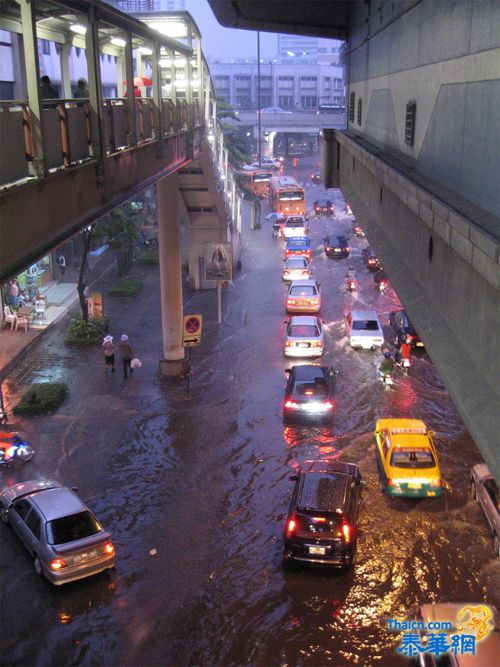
<point>309,101</point>
<point>411,113</point>
<point>338,84</point>
<point>360,110</point>
<point>285,101</point>
<point>352,99</point>
<point>44,46</point>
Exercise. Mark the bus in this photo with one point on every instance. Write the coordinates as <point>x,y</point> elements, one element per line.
<point>256,181</point>
<point>287,196</point>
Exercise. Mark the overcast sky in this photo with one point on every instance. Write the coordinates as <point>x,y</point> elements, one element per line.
<point>226,43</point>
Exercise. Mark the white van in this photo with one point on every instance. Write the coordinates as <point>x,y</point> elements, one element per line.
<point>294,225</point>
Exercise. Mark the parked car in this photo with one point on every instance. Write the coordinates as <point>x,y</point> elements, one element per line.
<point>309,394</point>
<point>61,534</point>
<point>357,230</point>
<point>321,526</point>
<point>485,490</point>
<point>304,296</point>
<point>304,337</point>
<point>364,329</point>
<point>315,176</point>
<point>323,207</point>
<point>298,246</point>
<point>485,651</point>
<point>403,328</point>
<point>294,225</point>
<point>407,459</point>
<point>370,259</point>
<point>296,268</point>
<point>336,247</point>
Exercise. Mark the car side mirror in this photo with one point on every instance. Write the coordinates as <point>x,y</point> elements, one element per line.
<point>293,478</point>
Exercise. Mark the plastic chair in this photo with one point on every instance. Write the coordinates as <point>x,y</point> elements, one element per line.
<point>23,321</point>
<point>40,309</point>
<point>9,317</point>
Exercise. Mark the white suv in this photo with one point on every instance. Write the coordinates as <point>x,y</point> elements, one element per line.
<point>364,330</point>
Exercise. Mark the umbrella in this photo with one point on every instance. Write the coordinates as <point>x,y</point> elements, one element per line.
<point>141,81</point>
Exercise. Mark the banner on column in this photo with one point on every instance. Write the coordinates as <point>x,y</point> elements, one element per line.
<point>218,261</point>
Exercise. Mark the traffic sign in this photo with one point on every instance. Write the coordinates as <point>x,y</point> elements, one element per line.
<point>191,336</point>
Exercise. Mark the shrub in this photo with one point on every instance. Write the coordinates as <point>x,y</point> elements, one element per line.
<point>148,256</point>
<point>41,397</point>
<point>86,333</point>
<point>126,287</point>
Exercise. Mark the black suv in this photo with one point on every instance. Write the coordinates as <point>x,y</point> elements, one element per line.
<point>403,328</point>
<point>321,525</point>
<point>323,207</point>
<point>370,259</point>
<point>336,246</point>
<point>309,393</point>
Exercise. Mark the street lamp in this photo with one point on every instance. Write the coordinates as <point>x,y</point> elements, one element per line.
<point>259,155</point>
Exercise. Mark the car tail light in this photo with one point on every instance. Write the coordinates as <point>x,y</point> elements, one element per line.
<point>285,273</point>
<point>292,405</point>
<point>317,343</point>
<point>318,519</point>
<point>346,530</point>
<point>393,482</point>
<point>436,482</point>
<point>108,548</point>
<point>315,302</point>
<point>290,529</point>
<point>309,392</point>
<point>328,248</point>
<point>57,564</point>
<point>290,302</point>
<point>328,405</point>
<point>288,343</point>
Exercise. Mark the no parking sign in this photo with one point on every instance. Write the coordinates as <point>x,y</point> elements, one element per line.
<point>191,335</point>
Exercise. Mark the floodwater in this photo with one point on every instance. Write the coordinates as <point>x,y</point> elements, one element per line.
<point>195,493</point>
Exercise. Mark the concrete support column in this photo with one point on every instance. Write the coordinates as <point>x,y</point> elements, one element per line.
<point>173,363</point>
<point>129,71</point>
<point>67,93</point>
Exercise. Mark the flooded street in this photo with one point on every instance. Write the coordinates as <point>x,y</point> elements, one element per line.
<point>195,492</point>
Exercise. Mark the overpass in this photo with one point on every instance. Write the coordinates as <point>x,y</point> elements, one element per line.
<point>419,162</point>
<point>65,162</point>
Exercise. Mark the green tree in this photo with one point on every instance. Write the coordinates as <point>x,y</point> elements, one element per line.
<point>237,154</point>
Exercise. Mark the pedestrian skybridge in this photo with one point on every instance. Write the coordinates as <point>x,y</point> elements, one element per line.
<point>67,159</point>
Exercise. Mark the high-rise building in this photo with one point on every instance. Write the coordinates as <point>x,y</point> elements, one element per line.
<point>137,6</point>
<point>303,49</point>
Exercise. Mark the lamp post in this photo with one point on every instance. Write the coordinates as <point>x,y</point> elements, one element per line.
<point>258,96</point>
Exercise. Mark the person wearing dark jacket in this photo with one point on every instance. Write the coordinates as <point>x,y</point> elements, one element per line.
<point>126,354</point>
<point>81,89</point>
<point>47,89</point>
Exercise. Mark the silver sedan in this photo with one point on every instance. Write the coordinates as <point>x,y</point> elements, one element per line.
<point>296,268</point>
<point>304,337</point>
<point>61,534</point>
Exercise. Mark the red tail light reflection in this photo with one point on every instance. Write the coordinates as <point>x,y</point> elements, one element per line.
<point>290,529</point>
<point>346,529</point>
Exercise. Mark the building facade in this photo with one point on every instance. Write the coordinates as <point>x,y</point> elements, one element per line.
<point>289,85</point>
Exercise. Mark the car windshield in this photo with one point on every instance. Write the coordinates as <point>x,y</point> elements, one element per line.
<point>365,325</point>
<point>294,223</point>
<point>72,528</point>
<point>305,290</point>
<point>313,389</point>
<point>299,244</point>
<point>304,331</point>
<point>412,458</point>
<point>296,264</point>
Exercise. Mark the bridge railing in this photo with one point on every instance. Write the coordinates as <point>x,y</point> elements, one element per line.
<point>67,131</point>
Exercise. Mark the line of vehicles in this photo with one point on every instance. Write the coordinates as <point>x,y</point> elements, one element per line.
<point>321,523</point>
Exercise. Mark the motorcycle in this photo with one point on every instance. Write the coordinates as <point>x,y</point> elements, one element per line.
<point>351,285</point>
<point>14,448</point>
<point>405,363</point>
<point>382,286</point>
<point>386,379</point>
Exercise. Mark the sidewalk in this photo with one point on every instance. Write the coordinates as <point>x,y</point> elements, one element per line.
<point>62,297</point>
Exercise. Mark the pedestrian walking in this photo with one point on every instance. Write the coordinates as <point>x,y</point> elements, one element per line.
<point>126,354</point>
<point>62,265</point>
<point>47,89</point>
<point>109,353</point>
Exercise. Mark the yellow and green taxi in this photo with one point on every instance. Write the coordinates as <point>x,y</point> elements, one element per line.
<point>407,459</point>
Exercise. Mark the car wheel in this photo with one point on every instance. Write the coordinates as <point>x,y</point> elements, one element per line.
<point>496,545</point>
<point>25,453</point>
<point>38,566</point>
<point>4,515</point>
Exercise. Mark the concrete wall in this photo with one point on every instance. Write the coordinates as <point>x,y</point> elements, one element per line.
<point>444,267</point>
<point>445,56</point>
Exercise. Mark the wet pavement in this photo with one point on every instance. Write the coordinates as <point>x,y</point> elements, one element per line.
<point>195,491</point>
